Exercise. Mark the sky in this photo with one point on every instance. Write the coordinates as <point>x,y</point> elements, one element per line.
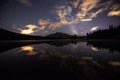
<point>43,17</point>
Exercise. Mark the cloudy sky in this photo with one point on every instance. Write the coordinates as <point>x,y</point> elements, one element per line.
<point>42,17</point>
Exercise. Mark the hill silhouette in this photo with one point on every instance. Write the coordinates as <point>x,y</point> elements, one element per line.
<point>58,35</point>
<point>8,35</point>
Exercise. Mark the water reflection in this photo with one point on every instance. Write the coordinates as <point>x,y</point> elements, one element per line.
<point>94,49</point>
<point>115,63</point>
<point>110,45</point>
<point>29,49</point>
<point>57,60</point>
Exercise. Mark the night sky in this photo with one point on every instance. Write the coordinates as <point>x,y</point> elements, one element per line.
<point>42,17</point>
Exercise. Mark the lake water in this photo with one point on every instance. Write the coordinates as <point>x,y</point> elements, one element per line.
<point>60,60</point>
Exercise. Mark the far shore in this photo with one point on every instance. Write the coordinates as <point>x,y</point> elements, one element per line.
<point>47,40</point>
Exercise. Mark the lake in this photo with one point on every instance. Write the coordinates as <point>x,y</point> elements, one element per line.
<point>60,60</point>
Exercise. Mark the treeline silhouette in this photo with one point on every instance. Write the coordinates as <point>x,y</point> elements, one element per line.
<point>113,32</point>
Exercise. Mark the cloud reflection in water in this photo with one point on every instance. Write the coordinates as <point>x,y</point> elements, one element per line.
<point>29,49</point>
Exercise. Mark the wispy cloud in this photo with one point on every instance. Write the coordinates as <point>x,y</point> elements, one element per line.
<point>26,2</point>
<point>43,23</point>
<point>115,10</point>
<point>114,13</point>
<point>86,10</point>
<point>86,20</point>
<point>88,5</point>
<point>74,12</point>
<point>30,29</point>
<point>94,28</point>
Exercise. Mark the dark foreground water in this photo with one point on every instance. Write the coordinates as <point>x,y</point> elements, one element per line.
<point>60,60</point>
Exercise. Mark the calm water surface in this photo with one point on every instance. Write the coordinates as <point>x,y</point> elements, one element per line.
<point>60,60</point>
